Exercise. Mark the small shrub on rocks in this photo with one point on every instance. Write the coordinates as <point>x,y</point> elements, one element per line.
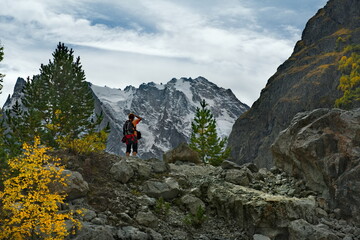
<point>197,219</point>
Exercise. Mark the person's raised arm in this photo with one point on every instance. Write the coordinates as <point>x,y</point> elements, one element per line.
<point>140,118</point>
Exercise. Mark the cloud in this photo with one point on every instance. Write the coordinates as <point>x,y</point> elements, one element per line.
<point>131,42</point>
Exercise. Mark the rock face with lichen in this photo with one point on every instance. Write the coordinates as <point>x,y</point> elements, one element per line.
<point>322,147</point>
<point>306,81</point>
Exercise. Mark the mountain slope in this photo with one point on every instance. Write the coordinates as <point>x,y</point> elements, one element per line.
<point>167,112</point>
<point>307,80</point>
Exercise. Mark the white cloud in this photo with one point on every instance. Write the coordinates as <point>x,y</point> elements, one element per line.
<point>130,42</point>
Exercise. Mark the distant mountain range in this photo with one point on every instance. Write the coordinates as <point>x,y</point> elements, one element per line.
<point>167,111</point>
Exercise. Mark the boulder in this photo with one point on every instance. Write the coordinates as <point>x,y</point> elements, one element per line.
<point>302,230</point>
<point>147,219</point>
<point>122,171</point>
<point>130,232</point>
<point>76,186</point>
<point>88,215</point>
<point>322,147</point>
<point>255,210</point>
<point>158,166</point>
<point>241,177</point>
<point>226,164</point>
<point>182,153</point>
<point>90,231</point>
<point>260,237</point>
<point>192,203</point>
<point>167,189</point>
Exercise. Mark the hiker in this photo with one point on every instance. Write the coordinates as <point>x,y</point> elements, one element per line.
<point>130,134</point>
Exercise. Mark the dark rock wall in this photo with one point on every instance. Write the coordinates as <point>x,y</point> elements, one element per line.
<point>306,81</point>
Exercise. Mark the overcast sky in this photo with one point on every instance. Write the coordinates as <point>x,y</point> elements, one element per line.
<point>236,44</point>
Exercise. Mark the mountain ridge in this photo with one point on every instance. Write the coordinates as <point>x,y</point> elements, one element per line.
<point>167,111</point>
<point>307,80</point>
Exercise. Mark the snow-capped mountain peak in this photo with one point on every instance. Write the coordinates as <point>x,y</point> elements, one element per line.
<point>167,111</point>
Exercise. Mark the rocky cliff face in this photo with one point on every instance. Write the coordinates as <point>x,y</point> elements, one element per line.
<point>167,111</point>
<point>323,148</point>
<point>306,81</point>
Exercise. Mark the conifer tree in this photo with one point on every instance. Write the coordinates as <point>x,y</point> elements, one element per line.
<point>59,100</point>
<point>18,135</point>
<point>204,138</point>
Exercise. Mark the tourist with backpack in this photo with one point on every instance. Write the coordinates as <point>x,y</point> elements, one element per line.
<point>131,136</point>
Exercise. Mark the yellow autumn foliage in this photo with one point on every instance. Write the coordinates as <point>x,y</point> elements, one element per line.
<point>350,80</point>
<point>92,142</point>
<point>29,209</point>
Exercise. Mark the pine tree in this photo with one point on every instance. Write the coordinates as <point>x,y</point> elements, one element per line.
<point>204,138</point>
<point>18,134</point>
<point>59,101</point>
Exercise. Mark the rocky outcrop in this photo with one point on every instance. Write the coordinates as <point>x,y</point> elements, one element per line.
<point>182,153</point>
<point>306,81</point>
<point>323,148</point>
<point>75,186</point>
<point>196,201</point>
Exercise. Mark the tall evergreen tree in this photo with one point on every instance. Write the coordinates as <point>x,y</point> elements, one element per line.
<point>59,101</point>
<point>204,138</point>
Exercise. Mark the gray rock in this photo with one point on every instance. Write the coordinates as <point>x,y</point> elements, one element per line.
<point>98,221</point>
<point>322,148</point>
<point>251,166</point>
<point>76,187</point>
<point>260,237</point>
<point>91,231</point>
<point>158,166</point>
<point>302,230</point>
<point>132,233</point>
<point>155,235</point>
<point>147,219</point>
<point>182,153</point>
<point>192,203</point>
<point>144,170</point>
<point>126,218</point>
<point>241,177</point>
<point>168,189</point>
<point>122,171</point>
<point>258,210</point>
<point>226,164</point>
<point>88,215</point>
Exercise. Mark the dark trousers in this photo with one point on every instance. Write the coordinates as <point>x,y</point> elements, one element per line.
<point>131,142</point>
<point>133,145</point>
